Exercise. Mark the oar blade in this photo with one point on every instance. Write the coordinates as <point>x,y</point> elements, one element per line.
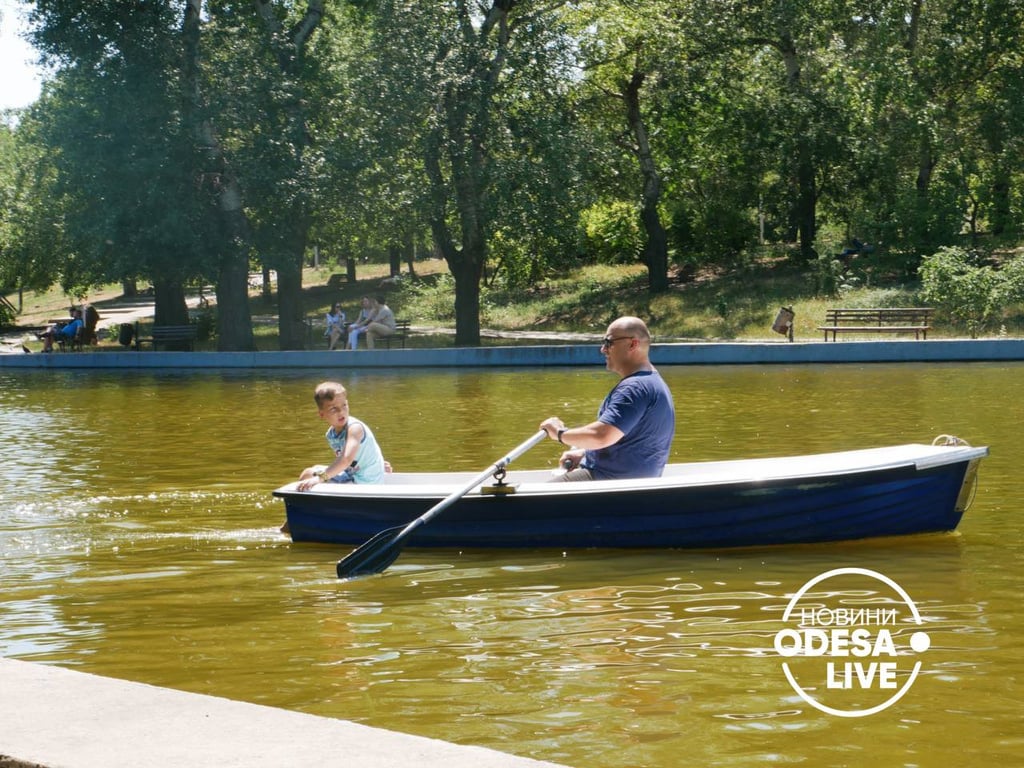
<point>372,557</point>
<point>383,549</point>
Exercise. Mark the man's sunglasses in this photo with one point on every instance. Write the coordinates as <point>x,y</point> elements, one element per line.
<point>607,342</point>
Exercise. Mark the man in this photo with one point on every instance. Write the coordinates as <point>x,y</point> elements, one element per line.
<point>636,422</point>
<point>65,334</point>
<point>381,324</point>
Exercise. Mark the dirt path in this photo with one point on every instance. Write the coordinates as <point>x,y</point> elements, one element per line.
<point>113,312</point>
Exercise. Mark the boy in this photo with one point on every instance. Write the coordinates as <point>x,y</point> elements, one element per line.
<point>358,457</point>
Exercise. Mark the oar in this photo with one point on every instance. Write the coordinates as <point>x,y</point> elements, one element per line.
<point>383,549</point>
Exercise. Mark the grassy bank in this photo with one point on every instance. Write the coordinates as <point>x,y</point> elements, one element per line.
<point>739,304</point>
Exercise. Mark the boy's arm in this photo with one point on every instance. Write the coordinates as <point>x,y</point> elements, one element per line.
<point>343,462</point>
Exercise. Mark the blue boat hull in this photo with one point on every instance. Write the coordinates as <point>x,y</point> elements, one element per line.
<point>890,501</point>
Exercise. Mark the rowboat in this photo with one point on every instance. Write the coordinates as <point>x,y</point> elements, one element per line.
<point>856,494</point>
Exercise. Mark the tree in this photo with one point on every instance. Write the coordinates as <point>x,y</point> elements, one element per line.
<point>476,81</point>
<point>280,175</point>
<point>627,51</point>
<point>125,191</point>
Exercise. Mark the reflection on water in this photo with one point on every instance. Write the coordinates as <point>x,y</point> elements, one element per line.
<point>139,540</point>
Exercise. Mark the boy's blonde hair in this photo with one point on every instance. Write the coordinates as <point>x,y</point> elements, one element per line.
<point>326,392</point>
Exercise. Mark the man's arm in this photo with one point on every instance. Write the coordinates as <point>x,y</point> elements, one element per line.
<point>593,436</point>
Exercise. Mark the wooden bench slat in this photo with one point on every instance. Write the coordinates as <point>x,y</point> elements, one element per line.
<point>916,320</point>
<point>167,334</point>
<point>400,335</point>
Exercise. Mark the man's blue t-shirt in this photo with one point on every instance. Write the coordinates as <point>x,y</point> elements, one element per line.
<point>69,330</point>
<point>640,406</point>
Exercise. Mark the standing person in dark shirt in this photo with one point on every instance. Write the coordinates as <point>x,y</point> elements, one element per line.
<point>636,422</point>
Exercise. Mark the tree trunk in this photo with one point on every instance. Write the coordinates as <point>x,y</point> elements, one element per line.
<point>922,235</point>
<point>1002,212</point>
<point>291,315</point>
<point>467,302</point>
<point>265,290</point>
<point>655,254</point>
<point>234,323</point>
<point>464,120</point>
<point>805,211</point>
<point>169,305</point>
<point>409,253</point>
<point>806,204</point>
<point>290,47</point>
<point>394,259</point>
<point>465,263</point>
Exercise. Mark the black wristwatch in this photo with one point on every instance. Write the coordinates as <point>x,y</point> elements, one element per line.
<point>559,433</point>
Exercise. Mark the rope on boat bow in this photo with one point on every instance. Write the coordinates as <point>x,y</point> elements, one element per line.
<point>970,486</point>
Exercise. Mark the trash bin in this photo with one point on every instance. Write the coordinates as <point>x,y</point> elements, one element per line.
<point>784,322</point>
<point>126,334</point>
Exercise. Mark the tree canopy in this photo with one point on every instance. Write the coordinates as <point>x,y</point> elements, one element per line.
<point>197,140</point>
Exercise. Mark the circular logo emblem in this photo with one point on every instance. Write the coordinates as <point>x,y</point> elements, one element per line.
<point>849,652</point>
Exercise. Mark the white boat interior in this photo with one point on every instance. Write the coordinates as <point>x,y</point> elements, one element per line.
<point>431,484</point>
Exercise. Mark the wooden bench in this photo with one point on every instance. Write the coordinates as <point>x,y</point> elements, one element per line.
<point>168,335</point>
<point>400,335</point>
<point>915,320</point>
<point>335,280</point>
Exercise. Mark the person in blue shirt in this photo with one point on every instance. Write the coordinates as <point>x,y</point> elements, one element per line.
<point>67,333</point>
<point>636,422</point>
<point>358,457</point>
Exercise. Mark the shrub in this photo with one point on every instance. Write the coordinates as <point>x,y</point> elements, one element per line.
<point>610,233</point>
<point>969,292</point>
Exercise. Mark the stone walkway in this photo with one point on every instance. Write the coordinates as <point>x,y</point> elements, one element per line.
<point>52,717</point>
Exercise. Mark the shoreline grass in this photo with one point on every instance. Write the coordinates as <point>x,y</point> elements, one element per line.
<point>735,305</point>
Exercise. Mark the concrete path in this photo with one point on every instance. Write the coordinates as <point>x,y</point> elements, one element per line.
<point>58,717</point>
<point>111,316</point>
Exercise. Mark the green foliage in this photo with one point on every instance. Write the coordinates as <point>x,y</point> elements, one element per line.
<point>610,233</point>
<point>206,323</point>
<point>432,299</point>
<point>969,292</point>
<point>828,275</point>
<point>761,117</point>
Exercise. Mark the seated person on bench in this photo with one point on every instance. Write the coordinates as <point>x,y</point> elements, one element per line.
<point>66,333</point>
<point>335,330</point>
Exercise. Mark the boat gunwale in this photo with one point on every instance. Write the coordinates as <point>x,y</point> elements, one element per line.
<point>681,475</point>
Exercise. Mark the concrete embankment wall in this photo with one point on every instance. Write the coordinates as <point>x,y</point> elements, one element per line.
<point>58,718</point>
<point>733,353</point>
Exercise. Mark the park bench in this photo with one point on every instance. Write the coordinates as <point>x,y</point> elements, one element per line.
<point>168,335</point>
<point>399,336</point>
<point>915,320</point>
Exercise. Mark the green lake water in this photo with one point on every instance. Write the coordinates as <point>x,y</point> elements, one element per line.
<point>139,540</point>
